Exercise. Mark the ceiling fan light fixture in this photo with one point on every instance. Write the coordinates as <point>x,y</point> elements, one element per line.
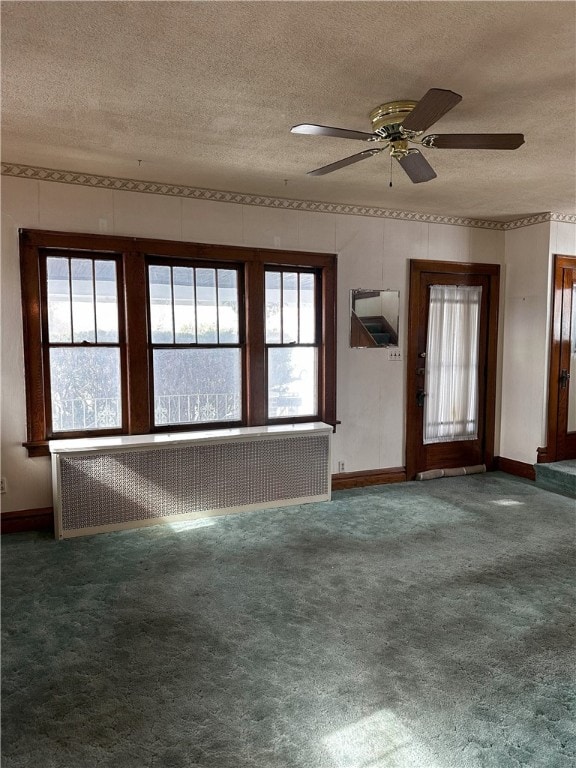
<point>399,148</point>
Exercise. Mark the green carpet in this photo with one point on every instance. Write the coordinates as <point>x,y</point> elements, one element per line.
<point>559,477</point>
<point>421,625</point>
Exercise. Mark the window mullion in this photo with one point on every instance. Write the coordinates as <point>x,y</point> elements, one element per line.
<point>94,300</point>
<point>282,307</point>
<point>71,300</point>
<point>138,373</point>
<point>172,302</point>
<point>298,278</point>
<point>195,305</point>
<point>217,306</point>
<point>255,378</point>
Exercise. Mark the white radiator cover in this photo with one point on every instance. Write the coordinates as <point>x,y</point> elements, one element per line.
<point>108,484</point>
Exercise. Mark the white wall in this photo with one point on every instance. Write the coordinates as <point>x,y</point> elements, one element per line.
<point>562,238</point>
<point>526,329</point>
<point>372,253</point>
<point>528,276</point>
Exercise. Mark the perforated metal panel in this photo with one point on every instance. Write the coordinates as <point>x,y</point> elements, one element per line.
<point>133,487</point>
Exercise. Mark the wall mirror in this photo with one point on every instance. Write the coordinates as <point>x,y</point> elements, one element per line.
<point>374,318</point>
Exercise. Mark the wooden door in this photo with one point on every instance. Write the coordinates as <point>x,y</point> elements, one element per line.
<point>425,453</point>
<point>561,443</point>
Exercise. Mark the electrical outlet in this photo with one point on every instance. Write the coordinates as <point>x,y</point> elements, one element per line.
<point>394,353</point>
<point>341,466</point>
<point>2,485</point>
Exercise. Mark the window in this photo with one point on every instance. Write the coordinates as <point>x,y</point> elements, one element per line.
<point>452,348</point>
<point>132,336</point>
<point>195,341</point>
<point>83,358</point>
<point>291,343</point>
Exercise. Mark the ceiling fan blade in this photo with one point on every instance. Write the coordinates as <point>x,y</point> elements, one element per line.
<point>326,130</point>
<point>474,140</point>
<point>431,107</point>
<point>417,167</point>
<point>346,161</point>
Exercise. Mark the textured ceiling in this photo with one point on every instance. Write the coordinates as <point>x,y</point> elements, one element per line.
<point>204,94</point>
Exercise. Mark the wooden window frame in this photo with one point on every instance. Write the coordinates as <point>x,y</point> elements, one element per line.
<point>48,345</point>
<point>241,345</point>
<point>133,256</point>
<point>316,344</point>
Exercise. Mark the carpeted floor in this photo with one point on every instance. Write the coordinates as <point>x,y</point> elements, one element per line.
<point>422,625</point>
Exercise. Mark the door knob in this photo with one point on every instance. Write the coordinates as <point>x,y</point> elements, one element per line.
<point>420,395</point>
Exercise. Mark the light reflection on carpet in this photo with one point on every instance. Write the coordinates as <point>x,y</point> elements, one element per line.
<point>378,741</point>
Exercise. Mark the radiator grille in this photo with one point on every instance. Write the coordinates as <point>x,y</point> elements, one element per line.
<point>118,488</point>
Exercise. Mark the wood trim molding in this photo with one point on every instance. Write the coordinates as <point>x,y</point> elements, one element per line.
<point>132,255</point>
<point>27,520</point>
<point>554,438</point>
<point>368,477</point>
<point>417,318</point>
<point>43,519</point>
<point>513,467</point>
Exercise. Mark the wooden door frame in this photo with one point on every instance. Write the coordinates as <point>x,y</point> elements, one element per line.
<point>549,452</point>
<point>492,272</point>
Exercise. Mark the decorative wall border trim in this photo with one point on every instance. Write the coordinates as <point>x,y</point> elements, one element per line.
<point>199,193</point>
<point>538,218</point>
<point>568,218</point>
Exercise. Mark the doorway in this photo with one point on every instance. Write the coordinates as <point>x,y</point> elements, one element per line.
<point>561,438</point>
<point>451,359</point>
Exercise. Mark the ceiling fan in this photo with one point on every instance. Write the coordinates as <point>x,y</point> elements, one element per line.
<point>397,124</point>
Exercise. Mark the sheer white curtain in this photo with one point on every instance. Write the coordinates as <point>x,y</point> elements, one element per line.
<point>451,382</point>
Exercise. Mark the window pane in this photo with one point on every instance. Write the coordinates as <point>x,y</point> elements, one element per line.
<point>289,307</point>
<point>193,386</point>
<point>106,301</point>
<point>273,309</point>
<point>83,317</point>
<point>307,309</point>
<point>228,306</point>
<point>85,386</point>
<point>451,379</point>
<point>184,305</point>
<point>292,382</point>
<point>206,306</point>
<point>59,307</point>
<point>162,329</point>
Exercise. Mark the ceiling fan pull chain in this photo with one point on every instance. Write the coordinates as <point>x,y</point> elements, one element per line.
<point>390,170</point>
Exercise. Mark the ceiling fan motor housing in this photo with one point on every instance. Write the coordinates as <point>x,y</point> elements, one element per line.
<point>387,118</point>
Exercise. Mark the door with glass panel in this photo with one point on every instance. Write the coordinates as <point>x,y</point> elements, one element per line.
<point>451,357</point>
<point>562,382</point>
